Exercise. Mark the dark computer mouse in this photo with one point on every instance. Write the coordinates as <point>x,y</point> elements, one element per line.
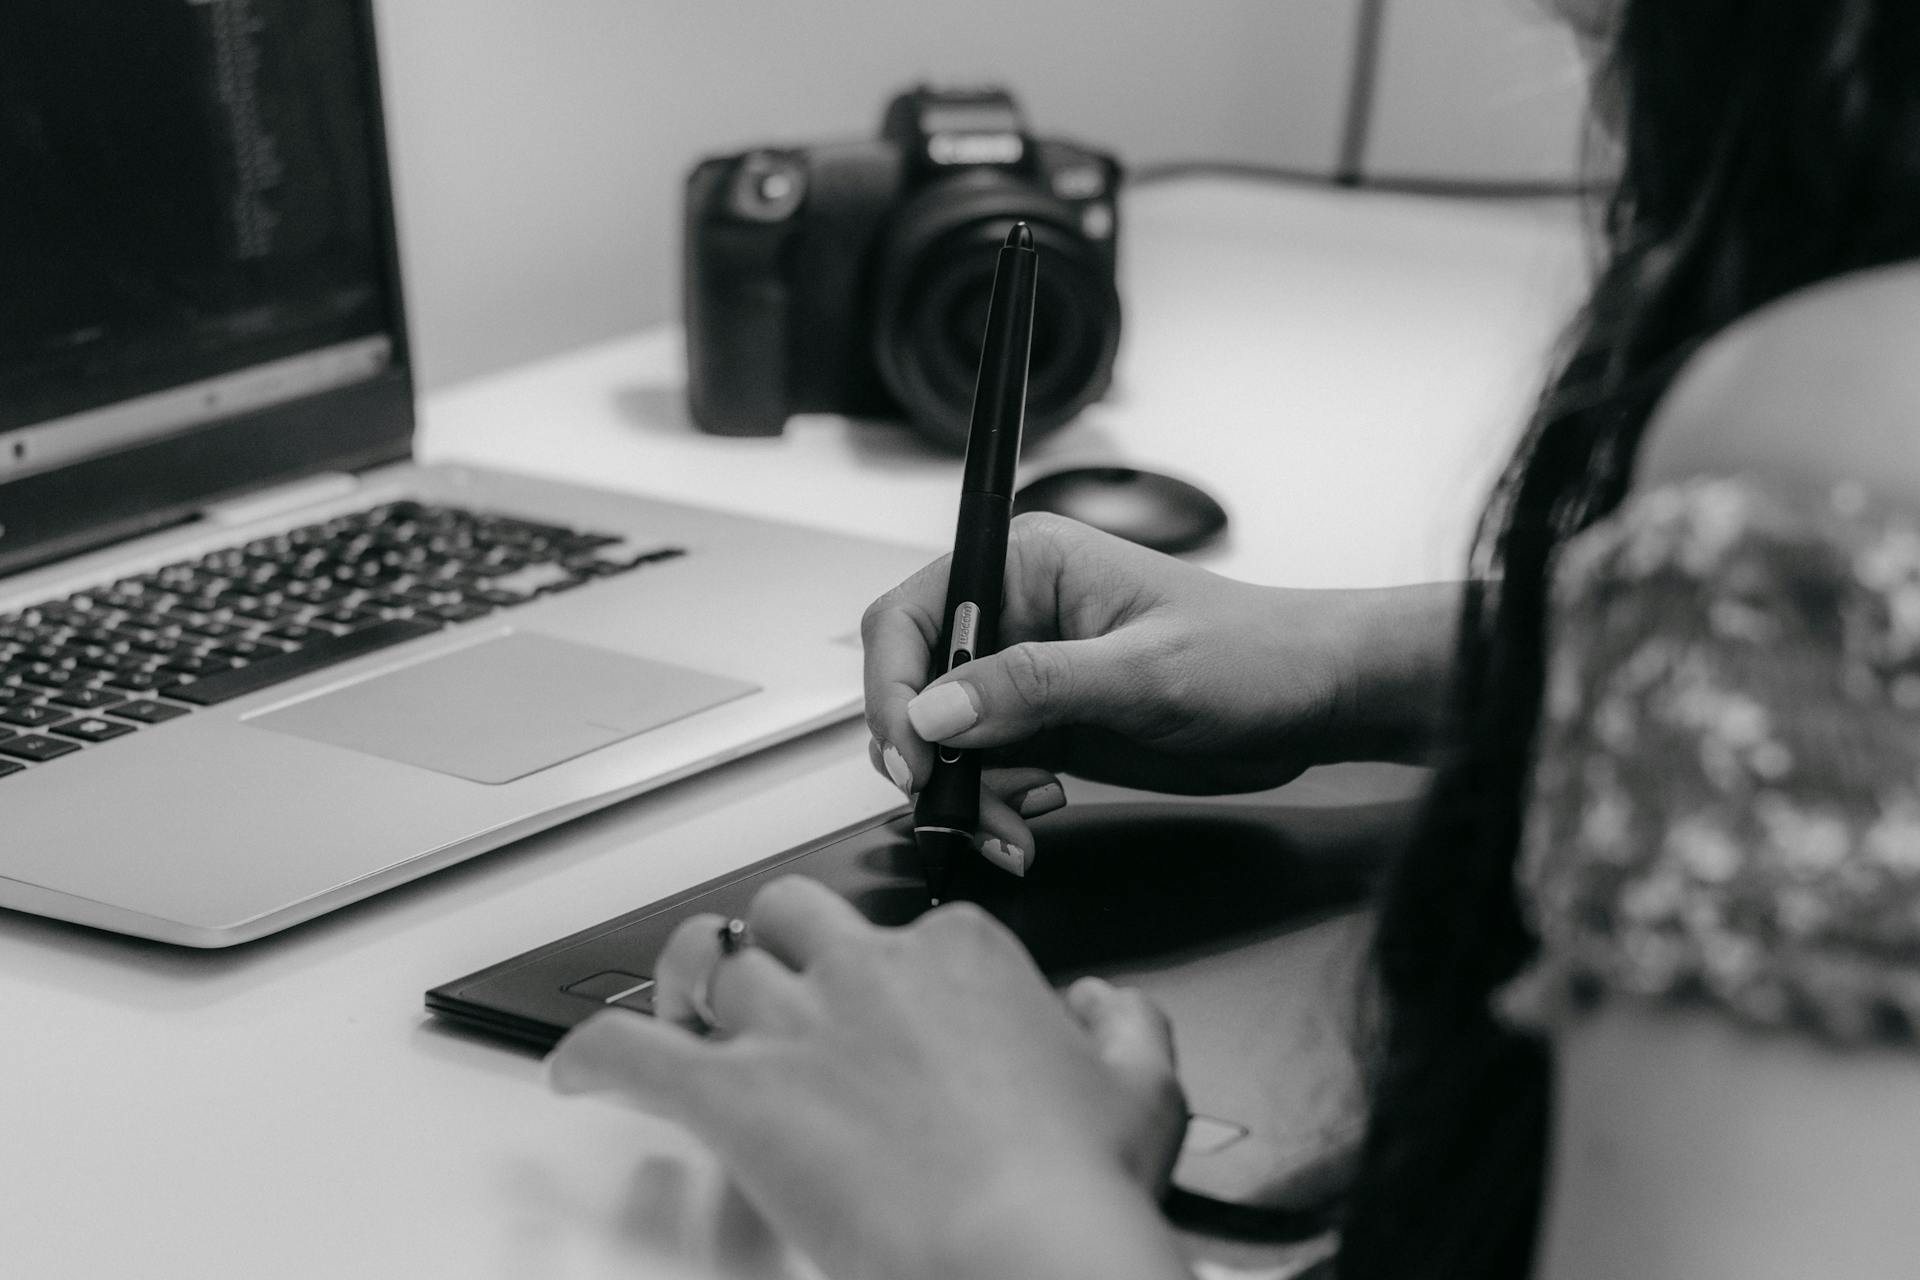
<point>1146,507</point>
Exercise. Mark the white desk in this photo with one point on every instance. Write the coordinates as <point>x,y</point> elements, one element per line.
<point>1343,371</point>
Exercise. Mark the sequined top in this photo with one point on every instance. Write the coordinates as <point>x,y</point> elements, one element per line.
<point>1725,808</point>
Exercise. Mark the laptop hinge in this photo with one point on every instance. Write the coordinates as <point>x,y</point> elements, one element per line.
<point>287,497</point>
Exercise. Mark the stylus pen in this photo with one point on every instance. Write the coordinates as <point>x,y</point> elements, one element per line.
<point>948,811</point>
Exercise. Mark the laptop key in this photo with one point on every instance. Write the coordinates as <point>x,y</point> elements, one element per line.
<point>246,650</point>
<point>590,567</point>
<point>92,729</point>
<point>322,651</point>
<point>198,665</point>
<point>163,646</point>
<point>10,766</point>
<point>220,630</point>
<point>85,699</point>
<point>346,615</point>
<point>36,748</point>
<point>31,715</point>
<point>463,612</point>
<point>148,711</point>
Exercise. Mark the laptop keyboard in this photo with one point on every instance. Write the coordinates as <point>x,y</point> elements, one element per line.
<point>108,661</point>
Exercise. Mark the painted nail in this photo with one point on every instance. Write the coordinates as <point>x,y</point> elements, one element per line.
<point>897,769</point>
<point>1008,857</point>
<point>942,711</point>
<point>1044,798</point>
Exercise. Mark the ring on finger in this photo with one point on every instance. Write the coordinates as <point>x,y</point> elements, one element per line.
<point>733,937</point>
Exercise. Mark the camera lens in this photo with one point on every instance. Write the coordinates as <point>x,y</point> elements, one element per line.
<point>934,276</point>
<point>964,320</point>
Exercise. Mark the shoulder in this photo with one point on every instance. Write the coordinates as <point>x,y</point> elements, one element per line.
<point>1820,387</point>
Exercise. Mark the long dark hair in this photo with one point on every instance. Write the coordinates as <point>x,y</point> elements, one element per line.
<point>1764,145</point>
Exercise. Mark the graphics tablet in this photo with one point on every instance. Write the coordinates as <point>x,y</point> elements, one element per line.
<point>1117,885</point>
<point>1238,918</point>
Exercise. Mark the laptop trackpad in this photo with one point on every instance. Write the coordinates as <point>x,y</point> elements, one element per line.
<point>504,708</point>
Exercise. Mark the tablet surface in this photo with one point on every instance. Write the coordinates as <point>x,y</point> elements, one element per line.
<point>1118,884</point>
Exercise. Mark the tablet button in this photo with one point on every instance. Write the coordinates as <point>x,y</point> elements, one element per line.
<point>612,987</point>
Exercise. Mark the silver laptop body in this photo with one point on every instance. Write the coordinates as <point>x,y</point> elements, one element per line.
<point>701,638</point>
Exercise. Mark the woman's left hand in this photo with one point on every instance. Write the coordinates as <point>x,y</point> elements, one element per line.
<point>910,1101</point>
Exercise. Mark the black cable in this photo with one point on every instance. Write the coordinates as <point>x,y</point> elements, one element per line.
<point>1253,1223</point>
<point>1362,76</point>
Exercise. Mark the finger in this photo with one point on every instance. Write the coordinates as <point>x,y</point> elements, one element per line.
<point>1028,791</point>
<point>656,1066</point>
<point>796,920</point>
<point>1012,695</point>
<point>897,636</point>
<point>891,765</point>
<point>689,956</point>
<point>1135,1041</point>
<point>1130,1032</point>
<point>1004,838</point>
<point>743,992</point>
<point>753,991</point>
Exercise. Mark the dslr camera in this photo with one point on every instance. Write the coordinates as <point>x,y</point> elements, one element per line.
<point>853,277</point>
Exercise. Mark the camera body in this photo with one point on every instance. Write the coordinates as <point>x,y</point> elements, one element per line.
<point>854,277</point>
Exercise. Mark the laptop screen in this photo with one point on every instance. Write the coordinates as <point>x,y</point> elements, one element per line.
<point>191,218</point>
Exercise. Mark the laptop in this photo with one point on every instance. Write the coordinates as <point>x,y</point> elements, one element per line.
<point>255,663</point>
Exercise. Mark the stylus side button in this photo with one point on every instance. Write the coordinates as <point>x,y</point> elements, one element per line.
<point>613,987</point>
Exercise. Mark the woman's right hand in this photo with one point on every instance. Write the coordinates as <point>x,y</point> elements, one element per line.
<point>1116,663</point>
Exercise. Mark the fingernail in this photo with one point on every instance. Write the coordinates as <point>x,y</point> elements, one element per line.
<point>942,711</point>
<point>896,765</point>
<point>1044,798</point>
<point>1008,857</point>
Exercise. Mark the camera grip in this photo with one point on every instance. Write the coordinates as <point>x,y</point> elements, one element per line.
<point>737,309</point>
<point>737,353</point>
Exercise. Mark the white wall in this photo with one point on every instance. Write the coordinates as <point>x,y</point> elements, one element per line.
<point>1489,89</point>
<point>540,145</point>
